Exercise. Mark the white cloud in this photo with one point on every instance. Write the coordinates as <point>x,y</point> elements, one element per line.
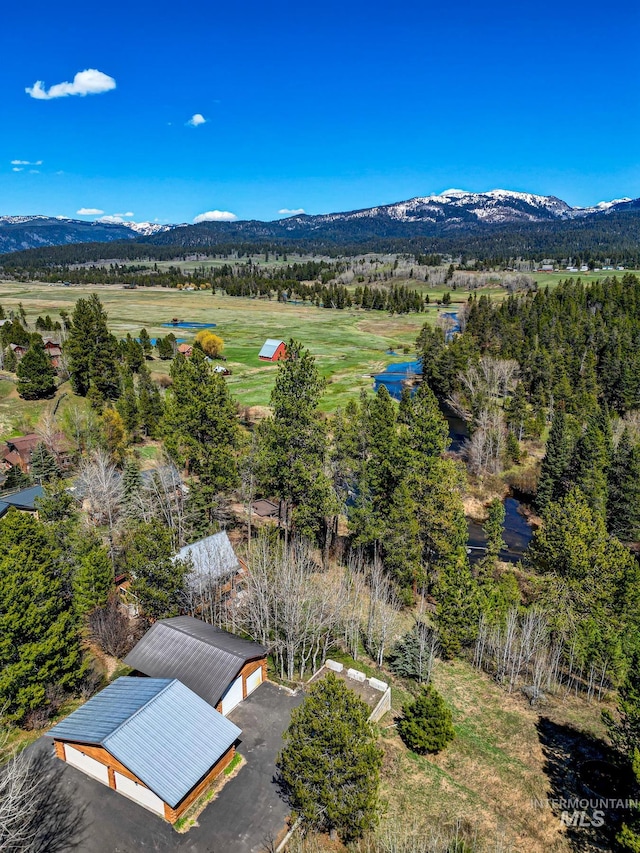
<point>287,212</point>
<point>112,219</point>
<point>89,82</point>
<point>196,120</point>
<point>89,211</point>
<point>18,169</point>
<point>26,162</point>
<point>215,216</point>
<point>129,214</point>
<point>34,171</point>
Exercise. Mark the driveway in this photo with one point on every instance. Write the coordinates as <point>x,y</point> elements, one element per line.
<point>246,814</point>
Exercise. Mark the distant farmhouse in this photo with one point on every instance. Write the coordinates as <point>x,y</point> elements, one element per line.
<point>150,739</point>
<point>186,350</point>
<point>272,350</point>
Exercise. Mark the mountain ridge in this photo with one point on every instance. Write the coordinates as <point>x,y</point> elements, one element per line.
<point>422,216</point>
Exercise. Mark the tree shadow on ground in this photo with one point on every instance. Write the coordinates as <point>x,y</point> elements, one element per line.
<point>586,784</point>
<point>54,822</point>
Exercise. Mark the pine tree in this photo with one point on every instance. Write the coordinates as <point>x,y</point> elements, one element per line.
<point>92,580</point>
<point>623,507</point>
<point>589,465</point>
<point>555,462</point>
<point>39,640</point>
<point>92,351</point>
<point>36,375</point>
<point>493,529</point>
<point>426,724</point>
<point>330,763</point>
<point>127,404</point>
<point>131,484</point>
<point>428,428</point>
<point>150,404</point>
<point>201,427</point>
<point>157,581</point>
<point>293,444</point>
<point>145,343</point>
<point>44,465</point>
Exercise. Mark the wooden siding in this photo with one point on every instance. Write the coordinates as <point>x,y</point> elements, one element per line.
<point>172,815</point>
<point>101,755</point>
<point>249,668</point>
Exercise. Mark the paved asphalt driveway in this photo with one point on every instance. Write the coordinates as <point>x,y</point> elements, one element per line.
<point>245,814</point>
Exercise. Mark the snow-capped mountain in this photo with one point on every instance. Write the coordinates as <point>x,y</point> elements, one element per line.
<point>451,213</point>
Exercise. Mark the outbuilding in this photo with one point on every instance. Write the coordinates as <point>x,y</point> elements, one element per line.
<point>221,668</point>
<point>272,350</point>
<point>150,739</point>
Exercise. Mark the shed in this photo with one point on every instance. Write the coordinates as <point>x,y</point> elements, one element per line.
<point>272,350</point>
<point>221,668</point>
<point>186,350</point>
<point>214,562</point>
<point>151,739</point>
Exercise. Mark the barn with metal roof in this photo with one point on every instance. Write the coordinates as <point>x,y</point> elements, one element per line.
<point>221,668</point>
<point>272,350</point>
<point>151,739</point>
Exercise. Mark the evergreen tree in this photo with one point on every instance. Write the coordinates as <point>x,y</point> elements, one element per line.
<point>36,375</point>
<point>39,640</point>
<point>157,581</point>
<point>92,351</point>
<point>426,724</point>
<point>150,404</point>
<point>145,343</point>
<point>44,465</point>
<point>555,462</point>
<point>624,731</point>
<point>330,763</point>
<point>131,484</point>
<point>589,465</point>
<point>127,404</point>
<point>200,425</point>
<point>591,582</point>
<point>92,580</point>
<point>493,529</point>
<point>293,444</point>
<point>623,507</point>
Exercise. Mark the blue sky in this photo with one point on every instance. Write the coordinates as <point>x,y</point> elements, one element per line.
<point>316,106</point>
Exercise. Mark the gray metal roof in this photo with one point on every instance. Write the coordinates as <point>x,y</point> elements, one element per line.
<point>269,347</point>
<point>159,729</point>
<point>212,558</point>
<point>203,657</point>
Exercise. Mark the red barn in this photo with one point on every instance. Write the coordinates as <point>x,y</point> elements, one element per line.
<point>272,350</point>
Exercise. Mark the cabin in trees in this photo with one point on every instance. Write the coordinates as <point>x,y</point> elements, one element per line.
<point>219,667</point>
<point>152,740</point>
<point>19,451</point>
<point>272,350</point>
<point>186,350</point>
<point>216,569</point>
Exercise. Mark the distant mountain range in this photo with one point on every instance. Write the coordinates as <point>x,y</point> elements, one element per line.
<point>452,214</point>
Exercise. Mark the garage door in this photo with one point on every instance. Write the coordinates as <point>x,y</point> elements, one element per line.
<point>88,765</point>
<point>254,680</point>
<point>141,795</point>
<point>232,697</point>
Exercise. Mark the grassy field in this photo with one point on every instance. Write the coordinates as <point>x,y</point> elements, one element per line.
<point>501,762</point>
<point>349,345</point>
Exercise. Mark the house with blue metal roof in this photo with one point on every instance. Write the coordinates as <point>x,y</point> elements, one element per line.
<point>151,739</point>
<point>272,350</point>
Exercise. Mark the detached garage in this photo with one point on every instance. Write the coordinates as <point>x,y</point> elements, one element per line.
<point>221,668</point>
<point>150,739</point>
